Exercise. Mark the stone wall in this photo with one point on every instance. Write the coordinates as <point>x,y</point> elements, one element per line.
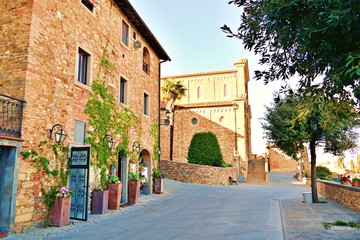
<point>193,173</point>
<point>346,195</point>
<point>279,162</point>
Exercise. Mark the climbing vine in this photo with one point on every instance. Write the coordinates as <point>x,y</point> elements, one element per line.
<point>107,119</point>
<point>53,163</point>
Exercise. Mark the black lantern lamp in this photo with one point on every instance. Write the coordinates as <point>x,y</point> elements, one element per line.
<point>137,146</point>
<point>168,113</point>
<point>159,151</point>
<point>59,133</point>
<point>111,142</point>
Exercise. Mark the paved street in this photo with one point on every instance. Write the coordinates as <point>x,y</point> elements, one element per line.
<point>272,210</point>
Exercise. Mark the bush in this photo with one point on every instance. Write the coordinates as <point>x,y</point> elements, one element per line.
<point>323,172</point>
<point>205,150</point>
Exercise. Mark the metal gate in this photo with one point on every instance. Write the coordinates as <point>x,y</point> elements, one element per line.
<point>79,181</point>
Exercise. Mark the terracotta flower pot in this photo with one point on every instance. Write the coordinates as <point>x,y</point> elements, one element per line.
<point>345,182</point>
<point>355,184</point>
<point>158,185</point>
<point>114,195</point>
<point>99,202</point>
<point>59,214</point>
<point>134,191</point>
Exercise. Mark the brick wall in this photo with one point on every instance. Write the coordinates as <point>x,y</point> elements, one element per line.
<point>346,195</point>
<point>193,173</point>
<point>184,130</point>
<point>279,162</point>
<point>38,45</point>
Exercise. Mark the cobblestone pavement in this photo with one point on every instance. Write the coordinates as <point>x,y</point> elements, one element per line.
<point>272,210</point>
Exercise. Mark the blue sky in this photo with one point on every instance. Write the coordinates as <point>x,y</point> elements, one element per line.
<point>189,31</point>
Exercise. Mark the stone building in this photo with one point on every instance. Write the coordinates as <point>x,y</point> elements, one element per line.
<point>216,102</point>
<point>278,161</point>
<point>50,52</point>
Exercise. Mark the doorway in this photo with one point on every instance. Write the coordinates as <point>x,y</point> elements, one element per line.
<point>145,160</point>
<point>7,195</point>
<point>122,173</point>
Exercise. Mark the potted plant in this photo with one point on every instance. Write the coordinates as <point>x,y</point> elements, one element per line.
<point>134,187</point>
<point>355,182</point>
<point>56,169</point>
<point>114,187</point>
<point>344,179</point>
<point>59,213</point>
<point>158,179</point>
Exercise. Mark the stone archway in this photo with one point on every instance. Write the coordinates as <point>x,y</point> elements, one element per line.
<point>145,160</point>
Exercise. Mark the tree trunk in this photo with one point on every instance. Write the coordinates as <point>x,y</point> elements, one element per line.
<point>171,141</point>
<point>313,171</point>
<point>172,124</point>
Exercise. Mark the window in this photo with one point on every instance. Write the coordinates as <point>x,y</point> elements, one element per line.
<point>134,35</point>
<point>146,104</point>
<point>83,74</point>
<point>89,4</point>
<point>194,121</point>
<point>123,91</point>
<point>198,92</point>
<point>225,90</point>
<point>125,33</point>
<point>222,119</point>
<point>146,60</point>
<point>79,132</point>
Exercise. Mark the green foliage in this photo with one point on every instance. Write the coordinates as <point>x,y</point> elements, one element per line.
<point>288,125</point>
<point>322,172</point>
<point>342,223</point>
<point>133,176</point>
<point>106,118</point>
<point>355,179</point>
<point>301,38</point>
<point>204,149</point>
<point>173,90</point>
<point>157,173</point>
<point>55,155</point>
<point>154,135</point>
<point>114,179</point>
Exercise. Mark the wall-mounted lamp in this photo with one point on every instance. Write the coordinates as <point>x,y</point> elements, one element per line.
<point>137,44</point>
<point>136,146</point>
<point>111,142</point>
<point>59,133</point>
<point>166,121</point>
<point>159,151</point>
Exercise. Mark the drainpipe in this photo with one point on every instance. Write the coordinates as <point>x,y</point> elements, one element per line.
<point>159,111</point>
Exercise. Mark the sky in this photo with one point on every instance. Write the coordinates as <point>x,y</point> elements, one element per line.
<point>189,31</point>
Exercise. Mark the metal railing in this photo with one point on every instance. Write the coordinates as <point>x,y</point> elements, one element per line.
<point>11,110</point>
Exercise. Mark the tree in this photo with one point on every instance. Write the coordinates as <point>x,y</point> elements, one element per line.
<point>340,162</point>
<point>307,38</point>
<point>172,91</point>
<point>204,149</point>
<point>288,127</point>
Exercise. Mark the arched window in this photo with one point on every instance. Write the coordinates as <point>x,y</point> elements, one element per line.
<point>222,119</point>
<point>146,60</point>
<point>198,91</point>
<point>225,90</point>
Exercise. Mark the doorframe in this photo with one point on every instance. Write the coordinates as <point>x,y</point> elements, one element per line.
<point>15,149</point>
<point>123,175</point>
